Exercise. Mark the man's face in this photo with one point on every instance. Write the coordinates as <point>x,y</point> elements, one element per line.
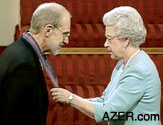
<point>59,36</point>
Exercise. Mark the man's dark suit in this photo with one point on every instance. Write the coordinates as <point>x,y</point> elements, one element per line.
<point>23,92</point>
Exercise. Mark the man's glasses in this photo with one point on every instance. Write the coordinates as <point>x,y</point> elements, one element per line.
<point>65,34</point>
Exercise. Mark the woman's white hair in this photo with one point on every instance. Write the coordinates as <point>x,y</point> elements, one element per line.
<point>128,24</point>
<point>47,13</point>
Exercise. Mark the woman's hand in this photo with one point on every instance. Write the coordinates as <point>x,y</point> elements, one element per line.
<point>60,95</point>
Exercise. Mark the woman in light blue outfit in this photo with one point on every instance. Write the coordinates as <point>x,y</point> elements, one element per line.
<point>133,95</point>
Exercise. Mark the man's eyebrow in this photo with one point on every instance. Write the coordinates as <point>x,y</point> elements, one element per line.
<point>66,32</point>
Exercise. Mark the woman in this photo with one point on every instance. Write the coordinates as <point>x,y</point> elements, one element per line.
<point>134,91</point>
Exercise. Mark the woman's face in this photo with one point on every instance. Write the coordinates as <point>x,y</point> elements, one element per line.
<point>114,45</point>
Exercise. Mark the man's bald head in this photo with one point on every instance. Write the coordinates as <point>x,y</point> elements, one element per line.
<point>47,13</point>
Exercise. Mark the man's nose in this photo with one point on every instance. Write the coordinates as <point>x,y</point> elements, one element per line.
<point>66,40</point>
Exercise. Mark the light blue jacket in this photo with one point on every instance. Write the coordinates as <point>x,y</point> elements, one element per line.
<point>136,91</point>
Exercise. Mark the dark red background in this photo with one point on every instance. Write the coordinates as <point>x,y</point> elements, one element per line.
<point>88,75</point>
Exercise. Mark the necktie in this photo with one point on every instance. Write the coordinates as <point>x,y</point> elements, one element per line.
<point>45,63</point>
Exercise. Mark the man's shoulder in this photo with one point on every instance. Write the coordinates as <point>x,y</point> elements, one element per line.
<point>18,47</point>
<point>18,51</point>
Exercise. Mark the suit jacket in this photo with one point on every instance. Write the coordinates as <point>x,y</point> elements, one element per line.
<point>134,94</point>
<point>23,92</point>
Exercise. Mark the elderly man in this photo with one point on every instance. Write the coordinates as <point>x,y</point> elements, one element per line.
<point>133,95</point>
<point>23,92</point>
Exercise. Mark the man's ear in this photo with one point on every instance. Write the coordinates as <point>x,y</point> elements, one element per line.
<point>48,30</point>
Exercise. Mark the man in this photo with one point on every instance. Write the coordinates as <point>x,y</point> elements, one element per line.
<point>133,95</point>
<point>23,92</point>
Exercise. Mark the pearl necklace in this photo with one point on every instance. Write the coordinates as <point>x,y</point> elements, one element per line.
<point>129,60</point>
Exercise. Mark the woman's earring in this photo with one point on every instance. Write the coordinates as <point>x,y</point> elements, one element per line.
<point>125,47</point>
